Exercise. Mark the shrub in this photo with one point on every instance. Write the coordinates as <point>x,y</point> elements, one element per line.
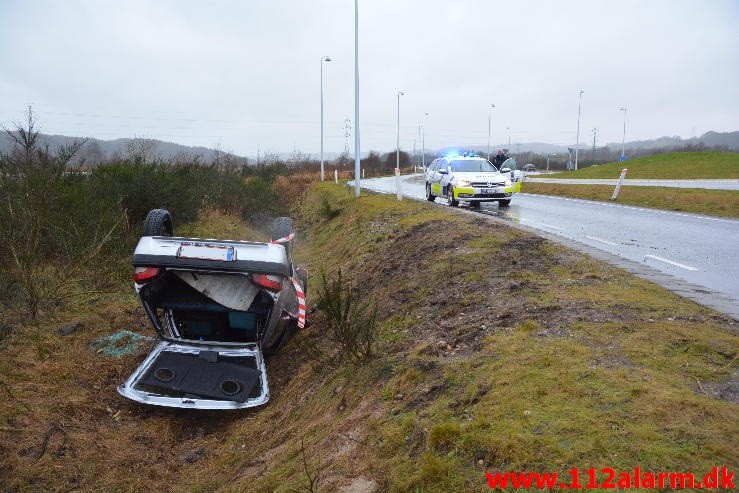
<point>51,228</point>
<point>351,319</point>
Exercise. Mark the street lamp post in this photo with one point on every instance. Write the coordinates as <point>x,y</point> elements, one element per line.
<point>357,151</point>
<point>490,127</point>
<point>623,139</point>
<point>423,144</point>
<point>397,150</point>
<point>323,59</point>
<point>549,154</point>
<point>418,158</point>
<point>508,129</point>
<point>577,143</point>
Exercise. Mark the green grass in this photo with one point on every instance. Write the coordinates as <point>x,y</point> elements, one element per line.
<point>670,166</point>
<point>721,203</point>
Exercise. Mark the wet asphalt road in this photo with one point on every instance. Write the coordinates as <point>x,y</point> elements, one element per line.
<point>693,255</point>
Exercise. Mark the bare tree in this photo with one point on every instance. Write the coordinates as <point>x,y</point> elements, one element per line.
<point>140,150</point>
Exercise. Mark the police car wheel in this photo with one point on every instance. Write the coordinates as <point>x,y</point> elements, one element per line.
<point>429,196</point>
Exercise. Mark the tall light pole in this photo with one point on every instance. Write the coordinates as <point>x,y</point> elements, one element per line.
<point>623,139</point>
<point>577,139</point>
<point>423,144</point>
<point>595,133</point>
<point>490,127</point>
<point>397,147</point>
<point>357,153</point>
<point>418,158</point>
<point>508,129</point>
<point>323,59</point>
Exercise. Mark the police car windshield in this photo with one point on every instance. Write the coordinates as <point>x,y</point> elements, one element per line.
<point>472,165</point>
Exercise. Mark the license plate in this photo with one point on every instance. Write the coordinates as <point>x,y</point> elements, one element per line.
<point>490,191</point>
<point>204,251</point>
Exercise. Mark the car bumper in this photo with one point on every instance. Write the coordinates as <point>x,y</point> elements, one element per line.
<point>483,194</point>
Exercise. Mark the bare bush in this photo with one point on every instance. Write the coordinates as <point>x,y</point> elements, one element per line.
<point>351,318</point>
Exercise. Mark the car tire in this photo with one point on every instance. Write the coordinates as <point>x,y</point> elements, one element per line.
<point>429,196</point>
<point>475,204</point>
<point>504,203</point>
<point>452,202</point>
<point>282,228</point>
<point>158,222</point>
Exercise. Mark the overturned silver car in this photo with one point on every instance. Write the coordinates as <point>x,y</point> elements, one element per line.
<point>218,306</point>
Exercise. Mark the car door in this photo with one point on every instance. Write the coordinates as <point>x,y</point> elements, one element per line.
<point>434,177</point>
<point>446,176</point>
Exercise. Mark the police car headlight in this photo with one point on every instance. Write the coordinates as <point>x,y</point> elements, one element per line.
<point>507,182</point>
<point>463,183</point>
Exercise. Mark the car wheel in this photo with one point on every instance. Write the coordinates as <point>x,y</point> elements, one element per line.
<point>282,228</point>
<point>429,196</point>
<point>452,202</point>
<point>475,205</point>
<point>158,222</point>
<point>504,203</point>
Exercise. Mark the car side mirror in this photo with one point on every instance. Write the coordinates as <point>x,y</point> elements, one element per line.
<point>505,170</point>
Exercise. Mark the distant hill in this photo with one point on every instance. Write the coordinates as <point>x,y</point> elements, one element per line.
<point>96,150</point>
<point>729,140</point>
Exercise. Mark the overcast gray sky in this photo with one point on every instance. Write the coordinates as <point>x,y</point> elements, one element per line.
<point>245,75</point>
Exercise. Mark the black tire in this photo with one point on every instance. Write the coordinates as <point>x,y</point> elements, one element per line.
<point>452,202</point>
<point>429,196</point>
<point>158,222</point>
<point>281,228</point>
<point>475,204</point>
<point>504,203</point>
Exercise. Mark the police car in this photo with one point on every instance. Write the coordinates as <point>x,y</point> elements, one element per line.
<point>467,178</point>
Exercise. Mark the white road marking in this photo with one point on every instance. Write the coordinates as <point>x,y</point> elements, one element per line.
<point>601,240</point>
<point>553,227</point>
<point>676,264</point>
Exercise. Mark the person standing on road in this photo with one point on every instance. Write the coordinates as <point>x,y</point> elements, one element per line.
<point>500,158</point>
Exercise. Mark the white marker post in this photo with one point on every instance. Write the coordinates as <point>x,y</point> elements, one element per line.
<point>618,185</point>
<point>397,183</point>
<point>336,176</point>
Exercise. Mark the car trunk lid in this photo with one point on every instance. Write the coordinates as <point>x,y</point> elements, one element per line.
<point>200,376</point>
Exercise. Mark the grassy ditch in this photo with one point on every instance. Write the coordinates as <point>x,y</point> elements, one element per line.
<point>495,350</point>
<point>721,203</point>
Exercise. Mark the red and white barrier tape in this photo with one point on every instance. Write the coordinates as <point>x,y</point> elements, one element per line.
<point>301,302</point>
<point>286,239</point>
<point>296,284</point>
